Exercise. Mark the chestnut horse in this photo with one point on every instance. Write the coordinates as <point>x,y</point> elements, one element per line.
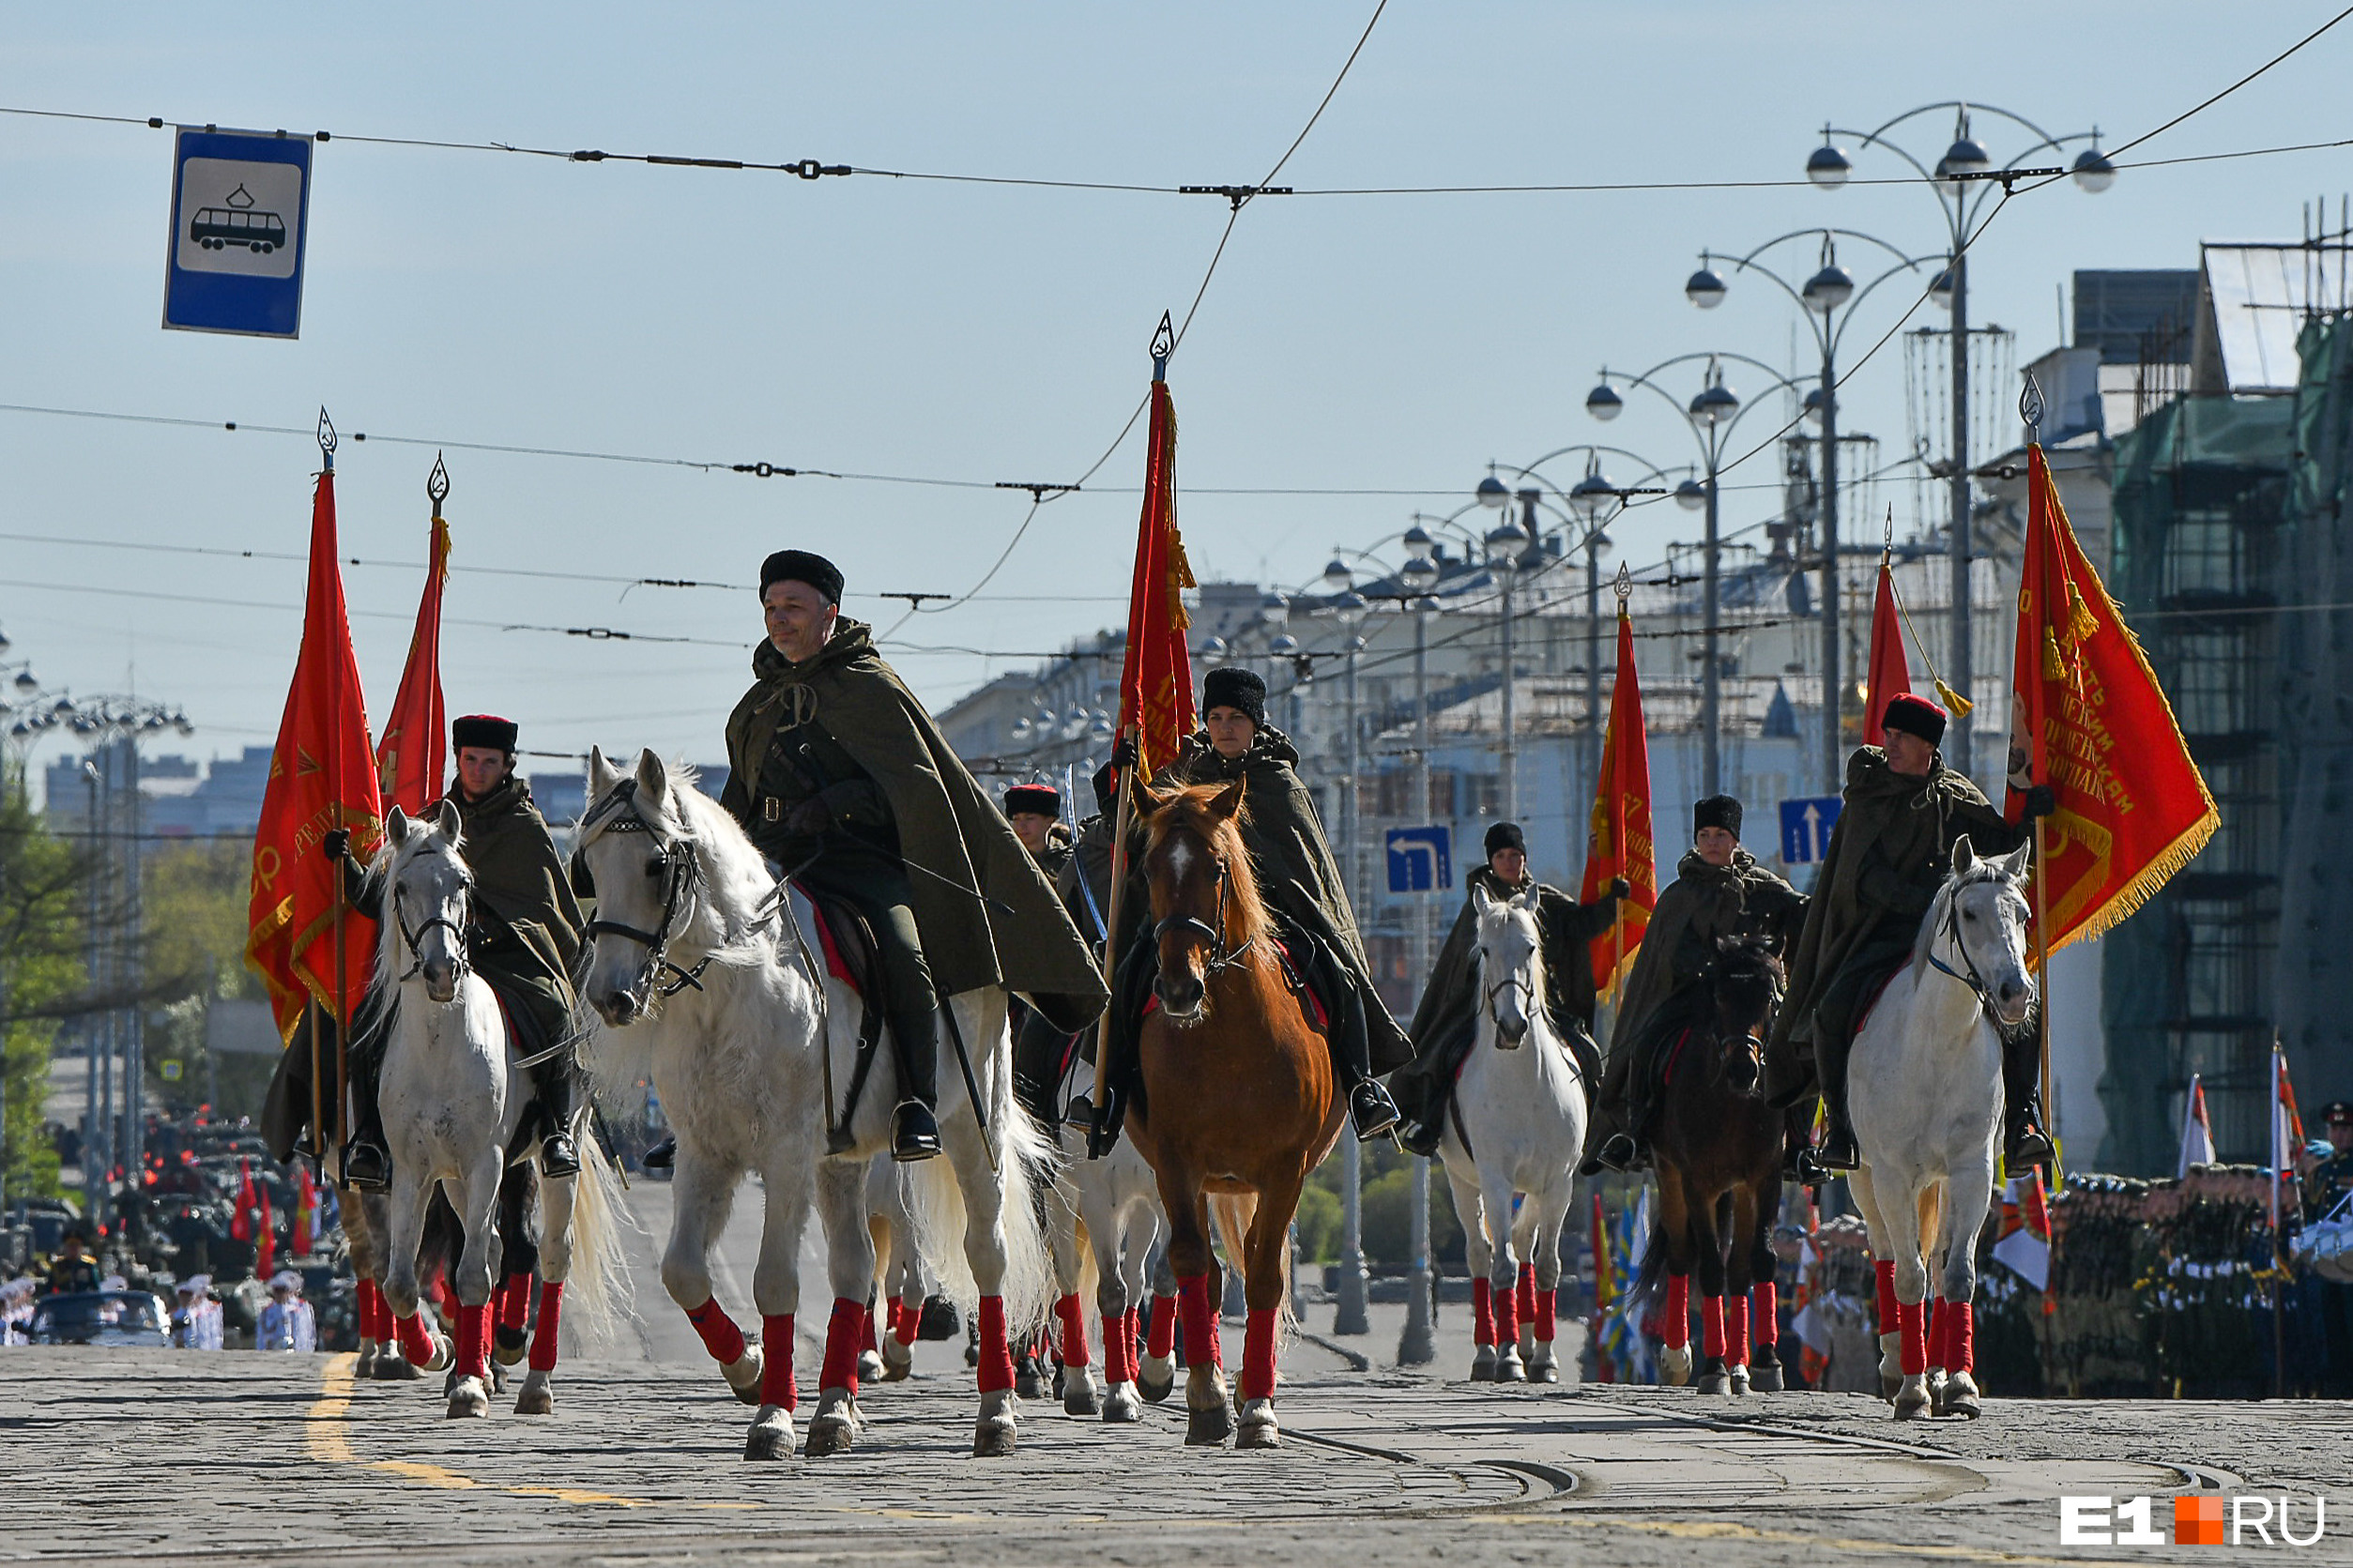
<point>1717,1149</point>
<point>1238,1097</point>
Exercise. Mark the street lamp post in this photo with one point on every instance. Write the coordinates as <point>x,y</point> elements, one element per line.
<point>1710,415</point>
<point>1829,300</point>
<point>1962,181</point>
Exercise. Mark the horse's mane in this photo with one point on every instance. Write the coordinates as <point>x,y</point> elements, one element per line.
<point>1189,808</point>
<point>731,867</point>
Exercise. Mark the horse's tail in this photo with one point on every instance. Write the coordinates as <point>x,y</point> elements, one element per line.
<point>1231,1214</point>
<point>1027,1163</point>
<point>1649,1289</point>
<point>597,1295</point>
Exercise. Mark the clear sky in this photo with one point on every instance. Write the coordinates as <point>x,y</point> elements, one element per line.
<point>962,331</point>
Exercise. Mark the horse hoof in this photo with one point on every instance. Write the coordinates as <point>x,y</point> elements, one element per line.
<point>366,1367</point>
<point>1740,1383</point>
<point>396,1369</point>
<point>1674,1364</point>
<point>1713,1381</point>
<point>898,1362</point>
<point>1124,1404</point>
<point>871,1366</point>
<point>1912,1399</point>
<point>1259,1429</point>
<point>1208,1428</point>
<point>444,1355</point>
<point>1545,1367</point>
<point>1889,1386</point>
<point>468,1399</point>
<point>509,1348</point>
<point>743,1375</point>
<point>1030,1383</point>
<point>1958,1396</point>
<point>1508,1366</point>
<point>1482,1364</point>
<point>1080,1397</point>
<point>770,1437</point>
<point>827,1433</point>
<point>497,1378</point>
<point>537,1398</point>
<point>994,1439</point>
<point>1766,1378</point>
<point>1156,1386</point>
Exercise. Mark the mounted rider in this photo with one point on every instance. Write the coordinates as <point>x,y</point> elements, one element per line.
<point>1901,814</point>
<point>841,779</point>
<point>526,941</point>
<point>1446,1021</point>
<point>1040,1051</point>
<point>1301,883</point>
<point>1719,891</point>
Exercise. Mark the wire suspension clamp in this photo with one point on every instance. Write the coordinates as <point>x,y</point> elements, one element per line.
<point>1235,194</point>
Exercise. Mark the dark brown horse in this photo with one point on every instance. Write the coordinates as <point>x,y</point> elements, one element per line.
<point>1716,1153</point>
<point>1238,1102</point>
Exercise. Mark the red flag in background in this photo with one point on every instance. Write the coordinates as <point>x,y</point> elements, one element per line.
<point>412,758</point>
<point>265,1240</point>
<point>322,775</point>
<point>1891,675</point>
<point>242,1223</point>
<point>1620,844</point>
<point>1157,682</point>
<point>2088,718</point>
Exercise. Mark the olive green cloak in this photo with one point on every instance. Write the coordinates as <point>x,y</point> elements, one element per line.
<point>1702,903</point>
<point>521,885</point>
<point>985,912</point>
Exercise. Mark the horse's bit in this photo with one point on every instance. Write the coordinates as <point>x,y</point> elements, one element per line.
<point>680,871</point>
<point>1221,957</point>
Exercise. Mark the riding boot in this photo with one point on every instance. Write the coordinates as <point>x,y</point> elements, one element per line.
<point>367,1167</point>
<point>662,1156</point>
<point>1370,1111</point>
<point>1838,1150</point>
<point>556,1081</point>
<point>915,1124</point>
<point>2024,1142</point>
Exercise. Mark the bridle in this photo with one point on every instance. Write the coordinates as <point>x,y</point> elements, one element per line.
<point>414,936</point>
<point>617,813</point>
<point>1221,957</point>
<point>1973,979</point>
<point>1511,984</point>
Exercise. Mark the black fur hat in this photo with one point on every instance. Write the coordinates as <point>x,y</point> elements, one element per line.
<point>1236,688</point>
<point>801,566</point>
<point>1716,811</point>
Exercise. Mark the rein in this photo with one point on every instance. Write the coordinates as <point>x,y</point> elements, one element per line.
<point>1221,957</point>
<point>413,936</point>
<point>1974,981</point>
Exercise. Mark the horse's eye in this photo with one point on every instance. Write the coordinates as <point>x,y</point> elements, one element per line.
<point>1969,914</point>
<point>653,867</point>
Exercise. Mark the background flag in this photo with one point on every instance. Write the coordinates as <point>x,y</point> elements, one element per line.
<point>2197,1134</point>
<point>1891,675</point>
<point>2025,1246</point>
<point>1620,842</point>
<point>413,756</point>
<point>1157,682</point>
<point>2088,718</point>
<point>322,775</point>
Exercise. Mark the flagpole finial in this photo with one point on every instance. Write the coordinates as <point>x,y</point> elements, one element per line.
<point>326,437</point>
<point>437,484</point>
<point>1887,536</point>
<point>2030,406</point>
<point>1625,586</point>
<point>1163,346</point>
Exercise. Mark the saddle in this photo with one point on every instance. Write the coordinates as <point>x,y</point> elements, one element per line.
<point>853,957</point>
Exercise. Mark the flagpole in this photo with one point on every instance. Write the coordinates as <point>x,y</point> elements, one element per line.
<point>2281,1156</point>
<point>330,1137</point>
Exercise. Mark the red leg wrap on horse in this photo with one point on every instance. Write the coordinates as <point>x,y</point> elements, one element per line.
<point>1736,1333</point>
<point>1160,1335</point>
<point>1678,1324</point>
<point>1547,1316</point>
<point>866,1340</point>
<point>995,1370</point>
<point>841,1345</point>
<point>1074,1318</point>
<point>373,1321</point>
<point>1482,1312</point>
<point>473,1341</point>
<point>551,1319</point>
<point>1119,1347</point>
<point>1258,1355</point>
<point>1200,1321</point>
<point>514,1303</point>
<point>416,1344</point>
<point>721,1337</point>
<point>1506,1315</point>
<point>1961,1337</point>
<point>1910,1322</point>
<point>1525,1300</point>
<point>1938,1324</point>
<point>1884,1270</point>
<point>776,1383</point>
<point>907,1317</point>
<point>1765,1313</point>
<point>1712,1325</point>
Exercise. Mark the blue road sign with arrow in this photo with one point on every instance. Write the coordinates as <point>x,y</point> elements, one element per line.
<point>240,221</point>
<point>1421,859</point>
<point>1806,829</point>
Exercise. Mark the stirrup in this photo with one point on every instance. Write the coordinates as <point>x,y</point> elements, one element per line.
<point>1838,1151</point>
<point>1370,1111</point>
<point>914,1133</point>
<point>366,1168</point>
<point>1619,1153</point>
<point>2026,1144</point>
<point>558,1158</point>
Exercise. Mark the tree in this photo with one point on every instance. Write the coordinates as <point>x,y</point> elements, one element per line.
<point>41,885</point>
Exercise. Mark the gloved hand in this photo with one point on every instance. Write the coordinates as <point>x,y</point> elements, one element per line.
<point>2042,801</point>
<point>1621,888</point>
<point>337,843</point>
<point>1123,753</point>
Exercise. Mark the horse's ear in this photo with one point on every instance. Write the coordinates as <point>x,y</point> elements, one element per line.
<point>1481,899</point>
<point>1531,900</point>
<point>2016,864</point>
<point>654,780</point>
<point>1150,800</point>
<point>396,828</point>
<point>1964,856</point>
<point>1227,803</point>
<point>603,775</point>
<point>448,820</point>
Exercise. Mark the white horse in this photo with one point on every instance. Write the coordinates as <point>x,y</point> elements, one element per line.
<point>1519,1126</point>
<point>1105,1216</point>
<point>1924,1090</point>
<point>901,1281</point>
<point>748,1044</point>
<point>453,1096</point>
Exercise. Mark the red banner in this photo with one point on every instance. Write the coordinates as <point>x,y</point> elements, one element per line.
<point>2088,718</point>
<point>322,775</point>
<point>1620,844</point>
<point>1157,682</point>
<point>412,758</point>
<point>1891,675</point>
